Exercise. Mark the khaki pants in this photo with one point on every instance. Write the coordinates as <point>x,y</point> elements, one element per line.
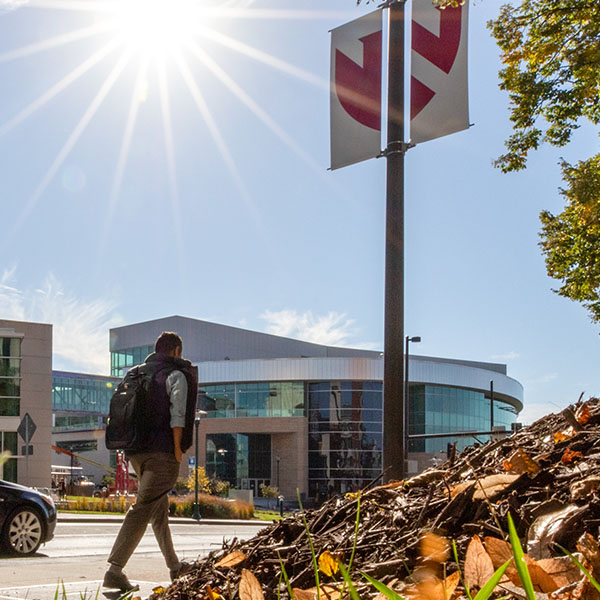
<point>157,473</point>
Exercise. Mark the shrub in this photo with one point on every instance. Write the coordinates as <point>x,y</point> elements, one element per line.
<point>210,507</point>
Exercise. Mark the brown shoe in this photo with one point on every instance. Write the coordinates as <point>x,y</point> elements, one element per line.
<point>119,581</point>
<point>183,569</point>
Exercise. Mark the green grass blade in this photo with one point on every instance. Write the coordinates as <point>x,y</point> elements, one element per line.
<point>56,591</point>
<point>355,533</point>
<point>455,553</point>
<point>382,588</point>
<point>488,589</point>
<point>581,568</point>
<point>285,576</point>
<point>347,581</point>
<point>64,591</point>
<point>312,547</point>
<point>520,565</point>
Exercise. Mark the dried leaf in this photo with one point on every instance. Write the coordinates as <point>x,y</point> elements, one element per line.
<point>582,489</point>
<point>433,588</point>
<point>250,588</point>
<point>500,551</point>
<point>460,487</point>
<point>231,560</point>
<point>492,485</point>
<point>561,436</point>
<point>329,563</point>
<point>562,569</point>
<point>570,455</point>
<point>520,462</point>
<point>328,592</point>
<point>479,567</point>
<point>547,528</point>
<point>434,547</point>
<point>159,589</point>
<point>212,594</point>
<point>583,414</point>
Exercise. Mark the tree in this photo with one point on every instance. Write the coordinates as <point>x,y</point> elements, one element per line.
<point>551,56</point>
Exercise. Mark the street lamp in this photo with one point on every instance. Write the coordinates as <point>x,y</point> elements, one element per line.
<point>415,339</point>
<point>277,459</point>
<point>222,452</point>
<point>196,514</point>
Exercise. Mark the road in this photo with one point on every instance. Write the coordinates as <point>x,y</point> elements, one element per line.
<point>77,557</point>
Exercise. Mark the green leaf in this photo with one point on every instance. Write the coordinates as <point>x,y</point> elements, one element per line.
<point>353,593</point>
<point>382,588</point>
<point>488,589</point>
<point>581,568</point>
<point>520,560</point>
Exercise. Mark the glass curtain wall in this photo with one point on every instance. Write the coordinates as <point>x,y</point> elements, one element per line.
<point>80,402</point>
<point>268,399</point>
<point>10,376</point>
<point>242,459</point>
<point>345,436</point>
<point>438,409</point>
<point>122,360</point>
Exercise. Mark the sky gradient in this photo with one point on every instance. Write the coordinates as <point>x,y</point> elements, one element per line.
<point>134,188</point>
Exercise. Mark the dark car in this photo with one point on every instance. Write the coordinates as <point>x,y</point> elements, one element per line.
<point>27,518</point>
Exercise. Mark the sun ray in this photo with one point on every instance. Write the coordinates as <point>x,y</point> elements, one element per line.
<point>69,5</point>
<point>218,138</point>
<point>172,172</point>
<point>58,87</point>
<point>71,141</point>
<point>278,14</point>
<point>264,57</point>
<point>260,113</point>
<point>54,42</point>
<point>136,99</point>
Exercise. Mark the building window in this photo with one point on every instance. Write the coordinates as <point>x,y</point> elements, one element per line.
<point>345,436</point>
<point>8,443</point>
<point>10,376</point>
<point>122,360</point>
<point>265,399</point>
<point>440,409</point>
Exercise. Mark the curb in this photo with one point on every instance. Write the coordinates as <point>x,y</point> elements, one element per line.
<point>81,518</point>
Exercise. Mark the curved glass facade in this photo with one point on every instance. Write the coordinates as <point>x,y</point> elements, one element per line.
<point>269,399</point>
<point>439,409</point>
<point>345,436</point>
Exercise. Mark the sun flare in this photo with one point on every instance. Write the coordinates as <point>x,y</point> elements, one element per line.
<point>156,28</point>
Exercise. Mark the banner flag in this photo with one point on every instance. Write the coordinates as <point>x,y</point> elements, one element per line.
<point>439,100</point>
<point>356,90</point>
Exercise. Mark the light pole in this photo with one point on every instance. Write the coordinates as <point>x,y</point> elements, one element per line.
<point>196,514</point>
<point>277,459</point>
<point>415,339</point>
<point>222,452</point>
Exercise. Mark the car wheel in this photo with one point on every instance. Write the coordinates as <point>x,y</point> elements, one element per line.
<point>23,531</point>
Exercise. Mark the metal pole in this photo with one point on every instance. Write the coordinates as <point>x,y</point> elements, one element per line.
<point>26,450</point>
<point>196,514</point>
<point>393,375</point>
<point>277,458</point>
<point>492,405</point>
<point>406,405</point>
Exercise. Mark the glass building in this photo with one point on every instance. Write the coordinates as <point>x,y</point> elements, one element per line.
<point>10,399</point>
<point>305,416</point>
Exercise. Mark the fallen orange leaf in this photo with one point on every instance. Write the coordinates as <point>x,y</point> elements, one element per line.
<point>231,560</point>
<point>570,455</point>
<point>250,588</point>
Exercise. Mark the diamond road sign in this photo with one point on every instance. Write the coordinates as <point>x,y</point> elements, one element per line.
<point>26,428</point>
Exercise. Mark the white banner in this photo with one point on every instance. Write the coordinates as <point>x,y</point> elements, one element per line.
<point>356,90</point>
<point>439,101</point>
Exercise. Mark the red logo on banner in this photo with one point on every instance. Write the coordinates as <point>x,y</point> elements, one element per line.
<point>359,88</point>
<point>441,51</point>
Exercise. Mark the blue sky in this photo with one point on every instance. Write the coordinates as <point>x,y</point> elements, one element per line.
<point>218,205</point>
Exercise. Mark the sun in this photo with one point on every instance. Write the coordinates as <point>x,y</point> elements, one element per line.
<point>155,28</point>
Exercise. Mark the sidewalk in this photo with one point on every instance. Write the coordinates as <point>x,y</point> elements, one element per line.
<point>101,518</point>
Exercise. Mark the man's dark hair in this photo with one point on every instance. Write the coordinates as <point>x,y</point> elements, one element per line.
<point>167,341</point>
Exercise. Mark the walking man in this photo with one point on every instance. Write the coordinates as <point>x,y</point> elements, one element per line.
<point>168,421</point>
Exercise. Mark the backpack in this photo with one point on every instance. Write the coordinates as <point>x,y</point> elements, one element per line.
<point>125,425</point>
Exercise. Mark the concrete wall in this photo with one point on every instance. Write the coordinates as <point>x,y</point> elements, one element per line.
<point>36,398</point>
<point>289,441</point>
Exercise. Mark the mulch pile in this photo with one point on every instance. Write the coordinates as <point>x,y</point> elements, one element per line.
<point>547,476</point>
